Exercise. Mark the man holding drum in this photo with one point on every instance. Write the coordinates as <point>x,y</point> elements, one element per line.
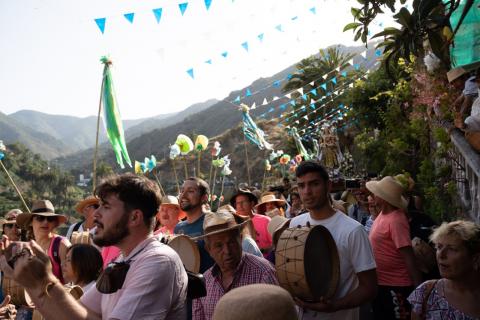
<point>358,279</point>
<point>233,268</point>
<point>135,286</point>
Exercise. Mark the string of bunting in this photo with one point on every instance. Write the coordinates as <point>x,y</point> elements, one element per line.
<point>259,38</point>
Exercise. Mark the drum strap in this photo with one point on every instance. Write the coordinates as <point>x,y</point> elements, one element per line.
<point>77,226</point>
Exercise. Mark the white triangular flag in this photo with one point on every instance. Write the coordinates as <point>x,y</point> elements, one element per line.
<point>300,90</point>
<point>312,83</point>
<point>275,98</point>
<point>253,106</point>
<point>264,102</point>
<point>288,95</point>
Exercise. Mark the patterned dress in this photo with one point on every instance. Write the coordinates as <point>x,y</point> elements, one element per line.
<point>438,307</point>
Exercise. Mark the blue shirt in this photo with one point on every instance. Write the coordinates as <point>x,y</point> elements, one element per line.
<point>195,229</point>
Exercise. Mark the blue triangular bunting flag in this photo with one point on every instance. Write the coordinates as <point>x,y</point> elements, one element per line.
<point>378,52</point>
<point>248,93</point>
<point>129,16</point>
<point>260,37</point>
<point>209,61</point>
<point>101,24</point>
<point>158,14</point>
<point>245,45</point>
<point>225,54</point>
<point>303,108</point>
<point>279,27</point>
<point>314,92</point>
<point>324,86</point>
<point>283,107</point>
<point>276,83</point>
<point>271,110</point>
<point>208,3</point>
<point>292,102</point>
<point>237,99</point>
<point>289,76</point>
<point>344,74</point>
<point>312,106</point>
<point>334,80</point>
<point>304,96</point>
<point>190,73</point>
<point>357,66</point>
<point>313,10</point>
<point>183,7</point>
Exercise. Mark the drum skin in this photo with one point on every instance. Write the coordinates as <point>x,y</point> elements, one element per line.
<point>307,262</point>
<point>17,292</point>
<point>75,291</point>
<point>187,249</point>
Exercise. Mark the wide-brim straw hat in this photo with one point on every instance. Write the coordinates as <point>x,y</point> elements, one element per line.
<point>455,73</point>
<point>268,198</point>
<point>88,201</point>
<point>276,226</point>
<point>40,208</point>
<point>389,190</point>
<point>173,202</point>
<point>244,192</point>
<point>10,217</point>
<point>221,221</point>
<point>256,301</point>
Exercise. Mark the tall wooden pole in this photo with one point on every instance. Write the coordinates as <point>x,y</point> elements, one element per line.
<point>94,178</point>
<point>15,186</point>
<point>246,158</point>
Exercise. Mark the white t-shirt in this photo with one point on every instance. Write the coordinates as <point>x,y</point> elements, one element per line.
<point>155,287</point>
<point>355,253</point>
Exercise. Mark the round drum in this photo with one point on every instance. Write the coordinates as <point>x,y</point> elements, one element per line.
<point>18,294</point>
<point>83,237</point>
<point>75,291</point>
<point>187,249</point>
<point>307,262</point>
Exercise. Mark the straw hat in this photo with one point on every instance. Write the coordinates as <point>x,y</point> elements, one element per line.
<point>220,221</point>
<point>39,208</point>
<point>260,208</point>
<point>276,226</point>
<point>256,301</point>
<point>88,201</point>
<point>389,190</point>
<point>172,201</point>
<point>10,217</point>
<point>455,73</point>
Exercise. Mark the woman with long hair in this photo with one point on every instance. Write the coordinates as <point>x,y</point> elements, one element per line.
<point>82,265</point>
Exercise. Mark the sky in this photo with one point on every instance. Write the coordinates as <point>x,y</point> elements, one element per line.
<point>50,50</point>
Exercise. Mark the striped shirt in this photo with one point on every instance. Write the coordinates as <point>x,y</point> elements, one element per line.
<point>250,270</point>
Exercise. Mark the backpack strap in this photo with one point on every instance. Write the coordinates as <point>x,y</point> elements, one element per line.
<point>56,249</point>
<point>429,285</point>
<point>77,226</point>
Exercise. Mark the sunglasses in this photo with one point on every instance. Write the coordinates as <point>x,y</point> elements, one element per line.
<point>10,225</point>
<point>43,218</point>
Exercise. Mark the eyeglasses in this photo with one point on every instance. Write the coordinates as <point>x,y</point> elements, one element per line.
<point>42,218</point>
<point>10,225</point>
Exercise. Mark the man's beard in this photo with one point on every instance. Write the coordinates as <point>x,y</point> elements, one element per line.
<point>116,233</point>
<point>189,207</point>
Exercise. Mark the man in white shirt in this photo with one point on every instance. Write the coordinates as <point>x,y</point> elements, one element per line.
<point>358,279</point>
<point>155,283</point>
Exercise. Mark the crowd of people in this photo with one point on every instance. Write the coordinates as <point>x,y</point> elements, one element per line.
<point>393,261</point>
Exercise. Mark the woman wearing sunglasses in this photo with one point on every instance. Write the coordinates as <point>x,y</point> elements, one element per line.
<point>43,221</point>
<point>10,227</point>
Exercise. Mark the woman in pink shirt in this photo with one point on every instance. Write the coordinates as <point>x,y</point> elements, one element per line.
<point>392,247</point>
